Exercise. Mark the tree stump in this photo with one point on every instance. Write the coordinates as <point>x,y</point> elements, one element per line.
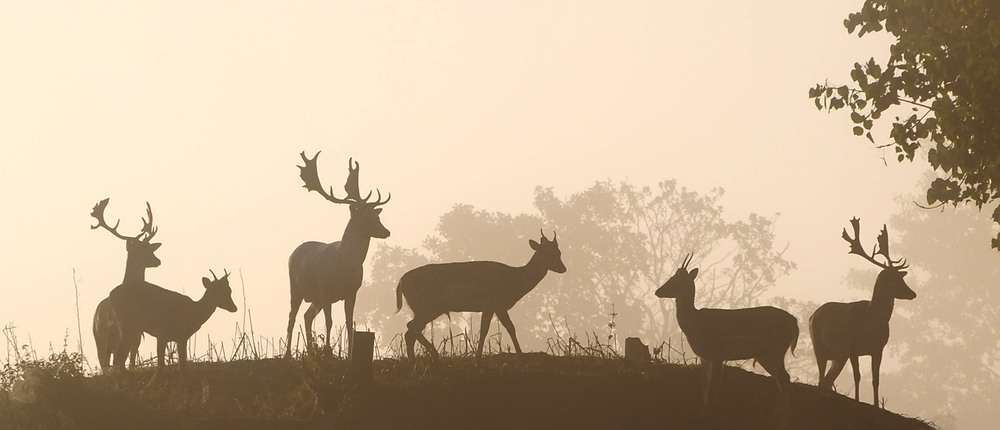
<point>359,366</point>
<point>636,350</point>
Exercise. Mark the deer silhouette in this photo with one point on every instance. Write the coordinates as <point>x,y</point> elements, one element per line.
<point>325,273</point>
<point>474,286</point>
<point>108,332</point>
<point>763,333</point>
<point>842,331</point>
<point>169,316</point>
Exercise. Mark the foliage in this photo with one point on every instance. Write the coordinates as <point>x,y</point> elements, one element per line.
<point>945,65</point>
<point>24,360</point>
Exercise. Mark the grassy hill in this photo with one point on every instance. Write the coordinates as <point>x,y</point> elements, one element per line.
<point>503,391</point>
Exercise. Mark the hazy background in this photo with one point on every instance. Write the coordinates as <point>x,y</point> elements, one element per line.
<point>201,108</point>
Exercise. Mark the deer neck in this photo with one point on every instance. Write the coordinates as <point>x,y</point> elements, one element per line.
<point>686,312</point>
<point>533,272</point>
<point>354,244</point>
<point>135,271</point>
<point>881,304</point>
<point>203,309</point>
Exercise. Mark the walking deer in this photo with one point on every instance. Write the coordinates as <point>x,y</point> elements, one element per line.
<point>325,273</point>
<point>169,316</point>
<point>474,286</point>
<point>763,333</point>
<point>842,331</point>
<point>108,333</point>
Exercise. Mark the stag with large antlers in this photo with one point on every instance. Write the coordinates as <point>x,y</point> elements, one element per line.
<point>763,333</point>
<point>108,332</point>
<point>842,331</point>
<point>325,273</point>
<point>474,286</point>
<point>169,316</point>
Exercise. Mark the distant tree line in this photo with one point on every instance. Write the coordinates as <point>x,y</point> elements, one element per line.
<point>619,242</point>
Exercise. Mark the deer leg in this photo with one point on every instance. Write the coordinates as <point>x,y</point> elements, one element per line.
<point>296,302</point>
<point>309,317</point>
<point>181,358</point>
<point>103,352</point>
<point>133,347</point>
<point>161,352</point>
<point>349,318</point>
<point>716,382</point>
<point>328,324</point>
<point>509,325</point>
<point>831,376</point>
<point>775,365</point>
<point>857,375</point>
<point>706,384</point>
<point>876,364</point>
<point>484,329</point>
<point>414,333</point>
<point>821,364</point>
<point>121,350</point>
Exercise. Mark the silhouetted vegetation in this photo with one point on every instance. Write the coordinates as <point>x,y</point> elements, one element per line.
<point>944,63</point>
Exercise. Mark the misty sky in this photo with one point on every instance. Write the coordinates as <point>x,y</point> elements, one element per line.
<point>201,108</point>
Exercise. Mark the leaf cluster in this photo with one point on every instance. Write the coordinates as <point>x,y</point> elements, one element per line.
<point>945,66</point>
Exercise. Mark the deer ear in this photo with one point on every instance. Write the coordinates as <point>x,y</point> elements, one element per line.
<point>534,245</point>
<point>377,211</point>
<point>205,281</point>
<point>694,273</point>
<point>902,274</point>
<point>155,246</point>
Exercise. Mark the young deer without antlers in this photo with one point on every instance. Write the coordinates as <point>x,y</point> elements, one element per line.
<point>475,286</point>
<point>169,316</point>
<point>842,331</point>
<point>325,273</point>
<point>108,333</point>
<point>763,333</point>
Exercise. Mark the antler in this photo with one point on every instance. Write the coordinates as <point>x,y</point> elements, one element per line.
<point>98,213</point>
<point>881,247</point>
<point>351,186</point>
<point>310,176</point>
<point>224,275</point>
<point>147,226</point>
<point>687,260</point>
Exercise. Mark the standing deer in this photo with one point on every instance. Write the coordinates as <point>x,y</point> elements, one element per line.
<point>474,286</point>
<point>169,316</point>
<point>325,273</point>
<point>108,333</point>
<point>842,331</point>
<point>762,333</point>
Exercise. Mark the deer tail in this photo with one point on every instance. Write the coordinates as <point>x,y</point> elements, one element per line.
<point>795,337</point>
<point>399,294</point>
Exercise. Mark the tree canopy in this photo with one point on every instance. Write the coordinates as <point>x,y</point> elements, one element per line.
<point>945,67</point>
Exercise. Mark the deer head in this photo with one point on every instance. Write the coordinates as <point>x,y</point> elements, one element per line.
<point>548,253</point>
<point>364,214</point>
<point>218,292</point>
<point>890,279</point>
<point>140,248</point>
<point>681,284</point>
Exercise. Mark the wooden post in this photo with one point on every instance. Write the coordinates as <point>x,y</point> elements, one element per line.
<point>359,367</point>
<point>636,350</point>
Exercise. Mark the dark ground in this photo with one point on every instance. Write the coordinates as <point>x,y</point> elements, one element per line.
<point>536,391</point>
